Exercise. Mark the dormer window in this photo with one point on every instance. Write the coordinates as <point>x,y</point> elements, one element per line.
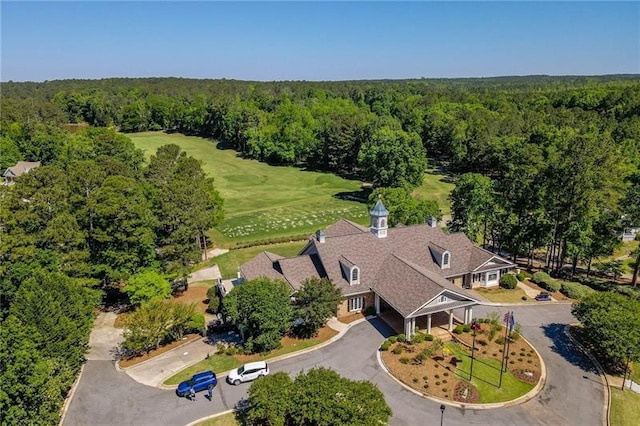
<point>446,260</point>
<point>355,275</point>
<point>442,299</point>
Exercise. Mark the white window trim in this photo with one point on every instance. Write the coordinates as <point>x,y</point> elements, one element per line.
<point>351,271</point>
<point>442,299</point>
<point>447,264</point>
<point>355,304</point>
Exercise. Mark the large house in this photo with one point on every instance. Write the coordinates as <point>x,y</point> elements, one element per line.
<point>417,271</point>
<point>19,169</point>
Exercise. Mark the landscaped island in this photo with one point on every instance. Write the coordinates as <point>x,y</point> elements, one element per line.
<point>442,368</point>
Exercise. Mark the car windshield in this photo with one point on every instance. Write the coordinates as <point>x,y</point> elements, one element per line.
<point>241,370</point>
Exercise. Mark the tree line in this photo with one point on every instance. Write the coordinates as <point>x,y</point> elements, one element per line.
<point>75,231</point>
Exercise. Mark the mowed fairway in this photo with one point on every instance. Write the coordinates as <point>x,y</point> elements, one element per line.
<point>263,201</point>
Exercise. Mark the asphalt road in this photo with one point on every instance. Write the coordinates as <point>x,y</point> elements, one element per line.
<point>573,394</point>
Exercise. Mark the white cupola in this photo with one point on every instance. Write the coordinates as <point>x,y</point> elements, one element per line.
<point>379,215</point>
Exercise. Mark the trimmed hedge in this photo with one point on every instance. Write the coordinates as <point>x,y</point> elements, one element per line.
<point>545,281</point>
<point>508,281</point>
<point>523,275</point>
<point>575,290</point>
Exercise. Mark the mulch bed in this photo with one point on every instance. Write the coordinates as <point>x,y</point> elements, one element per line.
<point>465,392</point>
<point>435,376</point>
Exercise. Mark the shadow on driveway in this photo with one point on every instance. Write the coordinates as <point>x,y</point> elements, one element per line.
<point>563,347</point>
<point>382,327</point>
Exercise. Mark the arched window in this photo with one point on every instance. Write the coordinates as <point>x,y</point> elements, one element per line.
<point>383,222</point>
<point>355,275</point>
<point>445,259</point>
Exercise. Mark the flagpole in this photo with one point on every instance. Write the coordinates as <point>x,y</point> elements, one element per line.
<point>504,345</point>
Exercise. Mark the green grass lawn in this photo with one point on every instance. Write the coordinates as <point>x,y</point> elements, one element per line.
<point>635,372</point>
<point>223,363</point>
<point>264,202</point>
<point>228,419</point>
<point>229,262</point>
<point>486,377</point>
<point>625,408</point>
<point>623,249</point>
<point>436,186</point>
<point>501,295</point>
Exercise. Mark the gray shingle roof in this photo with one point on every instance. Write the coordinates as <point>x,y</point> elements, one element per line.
<point>400,267</point>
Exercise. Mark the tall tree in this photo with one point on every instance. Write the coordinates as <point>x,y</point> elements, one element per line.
<point>262,311</point>
<point>471,204</point>
<point>315,303</point>
<point>185,202</point>
<point>403,208</point>
<point>393,158</point>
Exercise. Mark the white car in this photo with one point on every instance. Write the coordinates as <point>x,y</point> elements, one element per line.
<point>248,372</point>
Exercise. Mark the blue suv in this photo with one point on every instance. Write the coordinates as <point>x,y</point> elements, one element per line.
<point>198,382</point>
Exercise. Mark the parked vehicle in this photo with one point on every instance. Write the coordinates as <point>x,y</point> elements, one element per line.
<point>543,296</point>
<point>248,372</point>
<point>198,382</point>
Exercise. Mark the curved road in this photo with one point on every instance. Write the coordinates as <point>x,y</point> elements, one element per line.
<point>573,394</point>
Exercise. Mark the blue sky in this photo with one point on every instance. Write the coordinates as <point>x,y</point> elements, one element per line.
<point>316,40</point>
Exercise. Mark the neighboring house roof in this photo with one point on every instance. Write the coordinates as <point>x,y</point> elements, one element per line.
<point>400,267</point>
<point>20,168</point>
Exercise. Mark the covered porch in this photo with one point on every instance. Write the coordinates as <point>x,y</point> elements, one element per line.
<point>436,319</point>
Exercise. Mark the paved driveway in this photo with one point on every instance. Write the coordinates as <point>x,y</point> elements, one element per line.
<point>573,394</point>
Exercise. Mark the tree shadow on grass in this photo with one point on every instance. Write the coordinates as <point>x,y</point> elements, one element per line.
<point>566,349</point>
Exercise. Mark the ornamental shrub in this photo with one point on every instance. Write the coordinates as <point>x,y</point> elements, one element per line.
<point>397,350</point>
<point>545,281</point>
<point>428,337</point>
<point>418,338</point>
<point>575,290</point>
<point>508,281</point>
<point>392,339</point>
<point>458,329</point>
<point>385,346</point>
<point>402,338</point>
<point>466,328</point>
<point>540,277</point>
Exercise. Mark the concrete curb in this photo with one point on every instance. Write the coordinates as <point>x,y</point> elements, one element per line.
<point>118,368</point>
<point>603,377</point>
<point>277,358</point>
<point>524,398</point>
<point>213,416</point>
<point>69,398</point>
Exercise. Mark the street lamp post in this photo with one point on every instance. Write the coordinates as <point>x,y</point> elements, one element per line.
<point>626,369</point>
<point>442,408</point>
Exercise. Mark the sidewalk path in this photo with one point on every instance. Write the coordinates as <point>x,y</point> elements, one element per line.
<point>628,384</point>
<point>210,273</point>
<point>104,339</point>
<point>158,369</point>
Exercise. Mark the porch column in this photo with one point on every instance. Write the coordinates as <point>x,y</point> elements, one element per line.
<point>413,326</point>
<point>466,312</point>
<point>429,324</point>
<point>451,320</point>
<point>376,302</point>
<point>407,327</point>
<point>470,315</point>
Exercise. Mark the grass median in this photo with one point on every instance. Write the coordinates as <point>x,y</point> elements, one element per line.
<point>221,363</point>
<point>625,407</point>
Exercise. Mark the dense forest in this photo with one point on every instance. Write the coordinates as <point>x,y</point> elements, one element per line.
<point>75,231</point>
<point>539,163</point>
